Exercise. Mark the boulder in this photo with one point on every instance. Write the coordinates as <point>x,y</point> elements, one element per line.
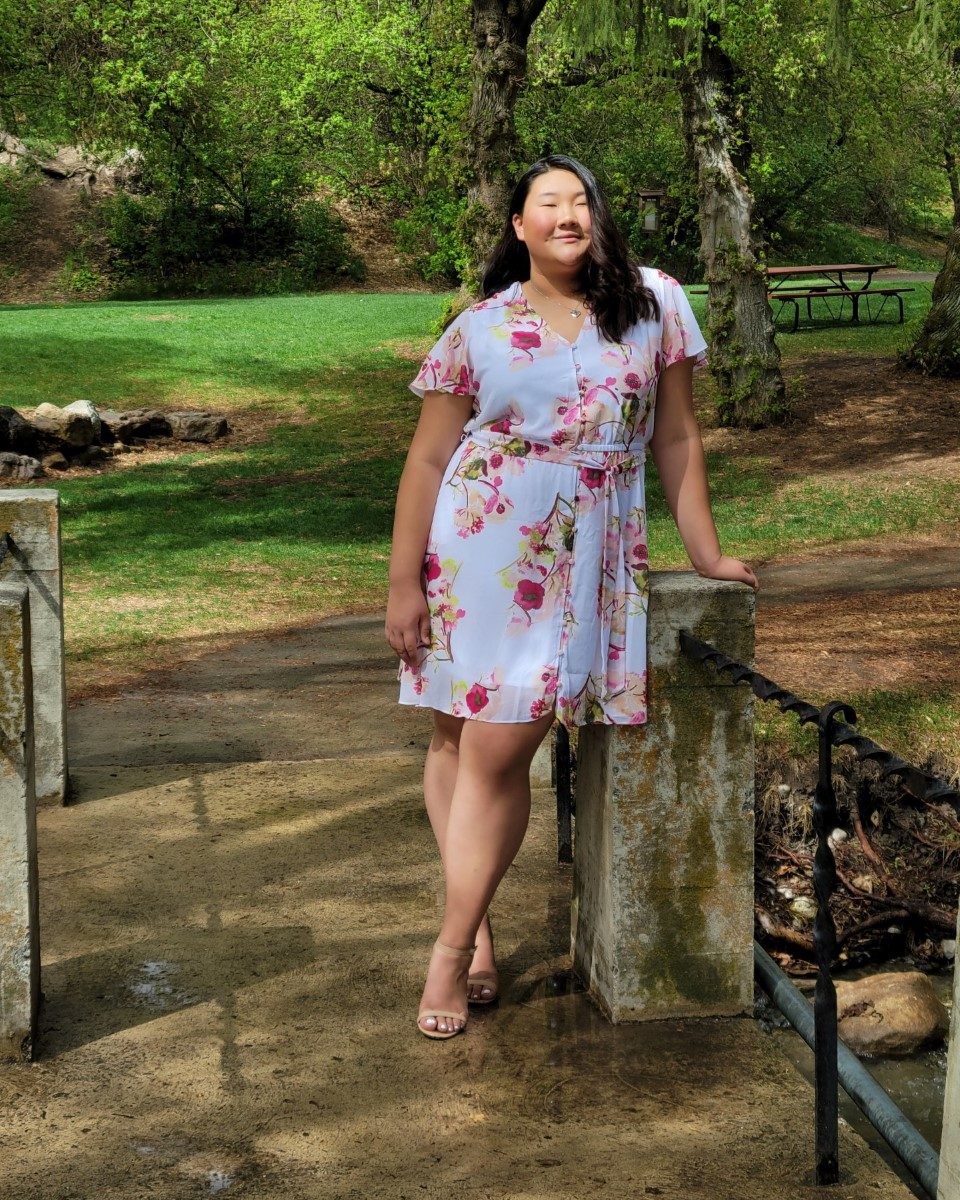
<point>136,423</point>
<point>197,426</point>
<point>76,166</point>
<point>16,432</point>
<point>891,1014</point>
<point>69,428</point>
<point>18,467</point>
<point>54,462</point>
<point>13,153</point>
<point>86,409</point>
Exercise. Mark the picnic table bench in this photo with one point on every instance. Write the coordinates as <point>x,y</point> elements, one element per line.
<point>782,290</point>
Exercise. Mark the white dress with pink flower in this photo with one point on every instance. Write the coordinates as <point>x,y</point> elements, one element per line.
<point>536,563</point>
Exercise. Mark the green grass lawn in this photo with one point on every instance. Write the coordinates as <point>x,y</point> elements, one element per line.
<point>225,539</point>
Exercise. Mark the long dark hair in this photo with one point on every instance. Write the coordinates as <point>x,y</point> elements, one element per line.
<point>611,281</point>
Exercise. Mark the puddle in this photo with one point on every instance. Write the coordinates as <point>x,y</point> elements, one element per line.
<point>560,983</point>
<point>177,1155</point>
<point>152,985</point>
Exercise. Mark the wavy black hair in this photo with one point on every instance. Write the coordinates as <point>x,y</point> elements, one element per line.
<point>610,280</point>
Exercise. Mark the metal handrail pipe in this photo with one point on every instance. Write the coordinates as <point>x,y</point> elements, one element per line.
<point>903,1138</point>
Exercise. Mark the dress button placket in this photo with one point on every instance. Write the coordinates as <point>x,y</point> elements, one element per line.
<point>578,374</point>
<point>566,614</point>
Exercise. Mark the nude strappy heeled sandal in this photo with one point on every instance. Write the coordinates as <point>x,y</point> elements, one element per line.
<point>490,979</point>
<point>452,952</point>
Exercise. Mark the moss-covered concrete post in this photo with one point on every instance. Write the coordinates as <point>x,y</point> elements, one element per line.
<point>662,910</point>
<point>948,1183</point>
<point>19,922</point>
<point>30,518</point>
<point>541,769</point>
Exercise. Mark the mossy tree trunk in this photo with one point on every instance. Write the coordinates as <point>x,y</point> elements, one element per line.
<point>501,32</point>
<point>936,350</point>
<point>744,358</point>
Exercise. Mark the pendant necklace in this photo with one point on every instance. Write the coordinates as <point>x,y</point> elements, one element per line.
<point>576,311</point>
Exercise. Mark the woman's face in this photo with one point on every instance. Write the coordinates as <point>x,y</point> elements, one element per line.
<point>555,222</point>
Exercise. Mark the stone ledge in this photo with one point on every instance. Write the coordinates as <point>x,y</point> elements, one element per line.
<point>31,517</point>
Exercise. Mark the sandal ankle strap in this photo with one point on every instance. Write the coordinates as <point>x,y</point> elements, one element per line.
<point>453,952</point>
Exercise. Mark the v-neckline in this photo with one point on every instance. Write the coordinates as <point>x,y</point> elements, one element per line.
<point>521,295</point>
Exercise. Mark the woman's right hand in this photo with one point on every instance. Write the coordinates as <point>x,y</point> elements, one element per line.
<point>407,627</point>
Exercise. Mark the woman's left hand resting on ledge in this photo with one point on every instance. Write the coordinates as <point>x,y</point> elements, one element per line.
<point>726,567</point>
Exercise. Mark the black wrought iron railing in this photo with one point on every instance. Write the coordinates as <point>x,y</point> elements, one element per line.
<point>834,1063</point>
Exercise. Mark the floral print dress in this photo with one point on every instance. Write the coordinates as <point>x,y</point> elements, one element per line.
<point>535,567</point>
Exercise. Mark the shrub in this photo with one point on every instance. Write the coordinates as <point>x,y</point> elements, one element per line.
<point>176,246</point>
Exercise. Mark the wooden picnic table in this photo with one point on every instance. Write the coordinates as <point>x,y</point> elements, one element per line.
<point>780,289</point>
<point>832,271</point>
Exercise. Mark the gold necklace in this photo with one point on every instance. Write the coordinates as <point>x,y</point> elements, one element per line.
<point>574,312</point>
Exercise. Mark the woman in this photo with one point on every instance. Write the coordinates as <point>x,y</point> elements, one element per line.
<point>518,575</point>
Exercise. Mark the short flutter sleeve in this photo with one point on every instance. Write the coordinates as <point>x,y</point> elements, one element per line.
<point>447,368</point>
<point>681,337</point>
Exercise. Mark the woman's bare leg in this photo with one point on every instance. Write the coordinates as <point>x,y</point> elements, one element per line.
<point>488,816</point>
<point>439,780</point>
<point>440,772</point>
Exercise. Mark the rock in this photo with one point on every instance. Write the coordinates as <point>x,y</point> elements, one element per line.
<point>54,462</point>
<point>804,907</point>
<point>16,432</point>
<point>13,153</point>
<point>136,423</point>
<point>949,947</point>
<point>19,466</point>
<point>891,1014</point>
<point>86,409</point>
<point>69,428</point>
<point>197,426</point>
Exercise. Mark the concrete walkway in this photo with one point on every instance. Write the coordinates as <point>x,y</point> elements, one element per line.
<point>236,916</point>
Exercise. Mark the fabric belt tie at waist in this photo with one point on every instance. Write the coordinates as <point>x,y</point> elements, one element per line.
<point>603,456</point>
<point>609,459</point>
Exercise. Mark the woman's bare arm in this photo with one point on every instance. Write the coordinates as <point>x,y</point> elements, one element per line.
<point>677,450</point>
<point>442,418</point>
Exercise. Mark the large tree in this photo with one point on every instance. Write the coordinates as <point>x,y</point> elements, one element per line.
<point>744,358</point>
<point>936,348</point>
<point>501,31</point>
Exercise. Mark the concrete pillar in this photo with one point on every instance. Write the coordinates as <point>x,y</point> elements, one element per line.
<point>948,1183</point>
<point>31,518</point>
<point>19,919</point>
<point>541,769</point>
<point>662,910</point>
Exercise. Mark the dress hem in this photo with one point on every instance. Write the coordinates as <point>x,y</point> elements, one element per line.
<point>528,721</point>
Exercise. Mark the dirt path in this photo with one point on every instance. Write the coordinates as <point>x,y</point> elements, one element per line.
<point>235,917</point>
<point>875,614</point>
<point>858,414</point>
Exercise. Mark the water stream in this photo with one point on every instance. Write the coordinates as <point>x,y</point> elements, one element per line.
<point>916,1084</point>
